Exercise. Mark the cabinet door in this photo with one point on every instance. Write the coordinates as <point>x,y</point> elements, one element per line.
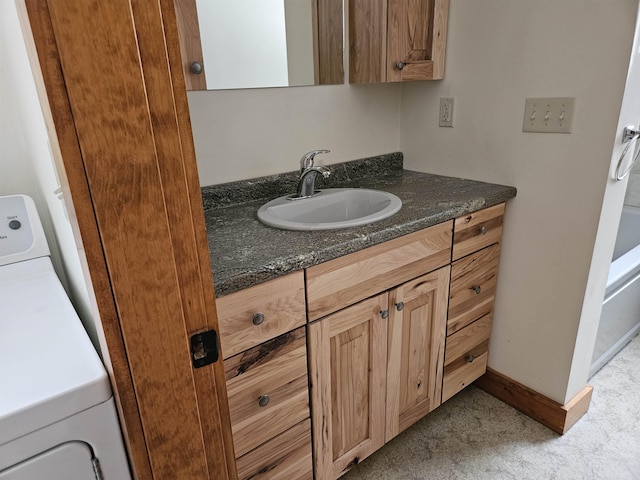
<point>416,38</point>
<point>416,336</point>
<point>348,354</point>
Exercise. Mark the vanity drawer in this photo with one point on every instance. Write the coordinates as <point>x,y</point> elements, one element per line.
<point>344,281</point>
<point>477,230</point>
<point>465,356</point>
<point>473,288</point>
<point>260,313</point>
<point>285,457</point>
<point>268,390</point>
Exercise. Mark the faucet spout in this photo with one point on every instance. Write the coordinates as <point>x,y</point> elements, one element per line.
<point>308,174</point>
<point>306,184</point>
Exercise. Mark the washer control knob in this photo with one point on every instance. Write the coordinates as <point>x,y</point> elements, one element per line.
<point>14,224</point>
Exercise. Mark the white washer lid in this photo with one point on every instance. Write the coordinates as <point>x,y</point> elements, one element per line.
<point>49,369</point>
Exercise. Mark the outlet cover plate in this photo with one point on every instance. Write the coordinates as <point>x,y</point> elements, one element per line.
<point>446,112</point>
<point>548,115</point>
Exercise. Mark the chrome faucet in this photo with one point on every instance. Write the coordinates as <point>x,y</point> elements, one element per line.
<point>308,174</point>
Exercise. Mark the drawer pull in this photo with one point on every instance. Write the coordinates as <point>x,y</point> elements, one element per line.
<point>399,306</point>
<point>384,314</point>
<point>263,400</point>
<point>258,318</point>
<point>477,289</point>
<point>483,230</point>
<point>469,358</point>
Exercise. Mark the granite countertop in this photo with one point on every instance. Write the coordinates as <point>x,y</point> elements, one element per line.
<point>244,252</point>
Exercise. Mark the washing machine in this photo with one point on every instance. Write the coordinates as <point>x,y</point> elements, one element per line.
<point>57,415</point>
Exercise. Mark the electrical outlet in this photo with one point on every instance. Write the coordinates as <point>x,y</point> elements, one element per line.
<point>446,112</point>
<point>548,115</point>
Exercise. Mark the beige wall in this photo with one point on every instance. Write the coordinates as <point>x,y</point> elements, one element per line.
<point>243,134</point>
<point>499,53</point>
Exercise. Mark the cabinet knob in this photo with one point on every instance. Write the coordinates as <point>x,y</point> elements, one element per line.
<point>477,289</point>
<point>469,358</point>
<point>263,400</point>
<point>483,230</point>
<point>399,306</point>
<point>196,68</point>
<point>258,318</point>
<point>400,65</point>
<point>384,314</point>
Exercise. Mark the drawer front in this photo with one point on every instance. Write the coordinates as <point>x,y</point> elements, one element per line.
<point>465,357</point>
<point>285,457</point>
<point>477,230</point>
<point>346,280</point>
<point>473,288</point>
<point>260,313</point>
<point>268,390</point>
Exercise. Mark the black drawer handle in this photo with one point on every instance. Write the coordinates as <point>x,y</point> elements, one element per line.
<point>263,400</point>
<point>477,289</point>
<point>483,230</point>
<point>384,314</point>
<point>400,306</point>
<point>469,358</point>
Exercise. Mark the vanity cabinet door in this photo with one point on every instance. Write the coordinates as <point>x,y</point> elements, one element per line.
<point>348,355</point>
<point>415,346</point>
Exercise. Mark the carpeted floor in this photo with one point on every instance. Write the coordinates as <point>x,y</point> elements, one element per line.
<point>475,436</point>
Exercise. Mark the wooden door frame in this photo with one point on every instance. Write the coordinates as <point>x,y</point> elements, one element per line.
<point>110,81</point>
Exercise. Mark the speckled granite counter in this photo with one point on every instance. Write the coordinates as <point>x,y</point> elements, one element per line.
<point>244,252</point>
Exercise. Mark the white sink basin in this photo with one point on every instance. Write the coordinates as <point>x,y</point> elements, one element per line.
<point>332,208</point>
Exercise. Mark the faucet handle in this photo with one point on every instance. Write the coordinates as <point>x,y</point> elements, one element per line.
<point>307,159</point>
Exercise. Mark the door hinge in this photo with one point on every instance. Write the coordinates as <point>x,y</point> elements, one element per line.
<point>97,472</point>
<point>204,348</point>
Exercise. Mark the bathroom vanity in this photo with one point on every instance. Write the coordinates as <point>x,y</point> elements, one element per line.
<point>334,342</point>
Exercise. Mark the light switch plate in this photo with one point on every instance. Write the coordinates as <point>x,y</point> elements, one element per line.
<point>548,115</point>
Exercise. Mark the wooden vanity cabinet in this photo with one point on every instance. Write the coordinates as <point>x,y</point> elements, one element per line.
<point>264,345</point>
<point>376,366</point>
<point>397,40</point>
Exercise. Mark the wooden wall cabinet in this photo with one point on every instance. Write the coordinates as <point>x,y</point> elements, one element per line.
<point>397,40</point>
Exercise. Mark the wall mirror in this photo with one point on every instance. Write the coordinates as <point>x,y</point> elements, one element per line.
<point>230,44</point>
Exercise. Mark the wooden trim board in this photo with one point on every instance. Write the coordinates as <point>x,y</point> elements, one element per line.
<point>559,418</point>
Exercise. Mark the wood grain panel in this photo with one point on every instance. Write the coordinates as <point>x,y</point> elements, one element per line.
<point>209,382</point>
<point>347,365</point>
<point>335,284</point>
<point>330,42</point>
<point>190,43</point>
<point>462,342</point>
<point>408,37</point>
<point>280,301</point>
<point>457,377</point>
<point>415,350</point>
<point>559,418</point>
<point>473,287</point>
<point>438,37</point>
<point>469,234</point>
<point>124,103</point>
<point>285,457</point>
<point>282,375</point>
<point>367,41</point>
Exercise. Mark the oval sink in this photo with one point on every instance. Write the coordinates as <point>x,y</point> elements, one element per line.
<point>331,209</point>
